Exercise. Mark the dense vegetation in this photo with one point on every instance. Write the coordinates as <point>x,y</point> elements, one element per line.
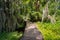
<point>14,13</point>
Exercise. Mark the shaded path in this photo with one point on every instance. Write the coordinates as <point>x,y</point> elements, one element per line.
<point>32,33</point>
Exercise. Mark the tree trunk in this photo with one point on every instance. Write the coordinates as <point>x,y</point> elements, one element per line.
<point>7,19</point>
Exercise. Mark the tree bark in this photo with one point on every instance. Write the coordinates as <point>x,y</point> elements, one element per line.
<point>7,19</point>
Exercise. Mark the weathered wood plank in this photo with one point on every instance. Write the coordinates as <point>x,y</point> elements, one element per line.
<point>32,33</point>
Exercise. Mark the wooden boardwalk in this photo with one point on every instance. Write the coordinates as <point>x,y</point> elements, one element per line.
<point>32,33</point>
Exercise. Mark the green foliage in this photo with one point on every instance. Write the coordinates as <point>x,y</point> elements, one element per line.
<point>35,16</point>
<point>25,8</point>
<point>50,31</point>
<point>10,36</point>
